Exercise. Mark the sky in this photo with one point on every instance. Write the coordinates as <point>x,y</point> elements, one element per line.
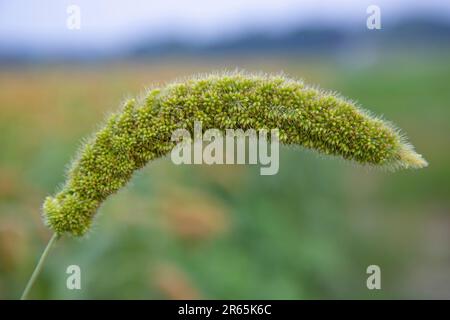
<point>110,24</point>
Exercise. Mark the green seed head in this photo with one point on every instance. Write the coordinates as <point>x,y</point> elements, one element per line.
<point>142,130</point>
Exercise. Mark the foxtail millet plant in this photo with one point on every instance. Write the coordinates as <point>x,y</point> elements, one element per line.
<point>141,131</point>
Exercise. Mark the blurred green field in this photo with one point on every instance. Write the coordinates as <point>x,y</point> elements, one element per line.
<point>226,232</point>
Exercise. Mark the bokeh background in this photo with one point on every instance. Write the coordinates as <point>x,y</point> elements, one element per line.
<point>226,232</point>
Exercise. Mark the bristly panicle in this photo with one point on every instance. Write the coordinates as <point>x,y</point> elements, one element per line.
<point>142,129</point>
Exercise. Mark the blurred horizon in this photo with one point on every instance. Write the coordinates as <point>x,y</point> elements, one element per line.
<point>115,30</point>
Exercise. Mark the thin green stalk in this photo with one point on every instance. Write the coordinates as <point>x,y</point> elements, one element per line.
<point>38,268</point>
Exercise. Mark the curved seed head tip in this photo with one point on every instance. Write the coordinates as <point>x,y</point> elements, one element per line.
<point>411,159</point>
<point>141,131</point>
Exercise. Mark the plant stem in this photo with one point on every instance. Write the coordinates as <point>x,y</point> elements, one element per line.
<point>38,268</point>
